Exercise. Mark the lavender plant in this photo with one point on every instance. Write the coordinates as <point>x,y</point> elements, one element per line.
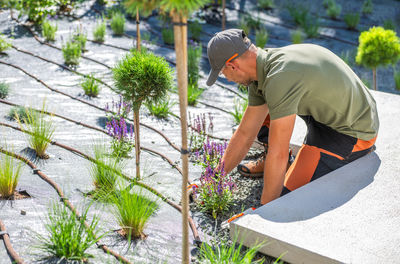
<point>122,142</point>
<point>214,193</point>
<point>198,130</point>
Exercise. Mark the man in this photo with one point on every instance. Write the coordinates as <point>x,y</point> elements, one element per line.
<point>305,80</point>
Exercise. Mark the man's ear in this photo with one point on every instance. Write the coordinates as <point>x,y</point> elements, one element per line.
<point>233,65</point>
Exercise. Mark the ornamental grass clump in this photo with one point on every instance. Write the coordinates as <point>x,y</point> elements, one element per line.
<point>261,37</point>
<point>40,131</point>
<point>10,171</point>
<point>133,209</point>
<point>71,52</point>
<point>99,32</point>
<point>333,10</point>
<point>117,23</point>
<point>66,236</point>
<point>90,86</point>
<point>214,192</point>
<point>378,47</point>
<point>352,20</point>
<point>195,30</point>
<point>297,36</point>
<point>167,35</point>
<point>367,7</point>
<point>80,37</point>
<point>193,92</point>
<point>49,30</point>
<point>301,16</point>
<point>142,77</point>
<point>4,44</point>
<point>242,24</point>
<point>161,108</point>
<point>4,90</point>
<point>194,57</point>
<point>19,112</point>
<point>199,129</point>
<point>238,112</point>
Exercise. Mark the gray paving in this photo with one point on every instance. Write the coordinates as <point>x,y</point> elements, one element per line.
<point>351,215</point>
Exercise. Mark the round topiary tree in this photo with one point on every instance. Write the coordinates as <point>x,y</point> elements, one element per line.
<point>142,77</point>
<point>378,47</point>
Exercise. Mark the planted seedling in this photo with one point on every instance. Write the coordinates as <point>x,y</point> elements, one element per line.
<point>193,92</point>
<point>266,4</point>
<point>99,31</point>
<point>122,142</point>
<point>71,52</point>
<point>66,236</point>
<point>389,24</point>
<point>240,107</point>
<point>142,77</point>
<point>49,30</point>
<point>261,37</point>
<point>167,35</point>
<point>378,47</point>
<point>297,36</point>
<point>195,29</point>
<point>244,26</point>
<point>10,171</point>
<point>18,112</point>
<point>40,131</point>
<point>4,90</point>
<point>333,10</point>
<point>199,129</point>
<point>4,44</point>
<point>367,7</point>
<point>352,20</point>
<point>133,210</point>
<point>36,10</point>
<point>90,86</point>
<point>80,37</point>
<point>118,23</point>
<point>194,57</point>
<point>161,108</point>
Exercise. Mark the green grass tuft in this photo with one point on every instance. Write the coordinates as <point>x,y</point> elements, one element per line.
<point>352,20</point>
<point>261,37</point>
<point>10,171</point>
<point>367,7</point>
<point>49,30</point>
<point>240,107</point>
<point>195,29</point>
<point>167,35</point>
<point>80,37</point>
<point>297,36</point>
<point>194,92</point>
<point>194,58</point>
<point>4,44</point>
<point>396,76</point>
<point>242,24</point>
<point>18,112</point>
<point>160,109</point>
<point>4,90</point>
<point>118,23</point>
<point>90,86</point>
<point>71,52</point>
<point>266,4</point>
<point>99,32</point>
<point>333,10</point>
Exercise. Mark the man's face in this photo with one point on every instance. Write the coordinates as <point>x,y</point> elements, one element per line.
<point>233,73</point>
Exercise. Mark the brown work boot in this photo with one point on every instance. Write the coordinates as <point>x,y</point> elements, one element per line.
<point>253,169</point>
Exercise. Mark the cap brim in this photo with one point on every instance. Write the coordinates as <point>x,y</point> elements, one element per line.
<point>212,77</point>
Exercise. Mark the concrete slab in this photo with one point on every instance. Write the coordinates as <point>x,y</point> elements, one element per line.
<point>351,215</point>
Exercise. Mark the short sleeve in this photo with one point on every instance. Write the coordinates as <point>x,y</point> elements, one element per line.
<point>255,98</point>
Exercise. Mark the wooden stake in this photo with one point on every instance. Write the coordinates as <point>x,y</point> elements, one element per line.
<point>137,30</point>
<point>180,36</point>
<point>136,125</point>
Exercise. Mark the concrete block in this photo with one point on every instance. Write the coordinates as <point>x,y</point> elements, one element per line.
<point>351,215</point>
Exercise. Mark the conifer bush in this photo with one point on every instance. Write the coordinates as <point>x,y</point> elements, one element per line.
<point>4,90</point>
<point>142,77</point>
<point>378,47</point>
<point>49,30</point>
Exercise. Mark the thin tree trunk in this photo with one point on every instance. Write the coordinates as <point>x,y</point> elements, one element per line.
<point>137,30</point>
<point>223,14</point>
<point>374,78</point>
<point>180,35</point>
<point>137,141</point>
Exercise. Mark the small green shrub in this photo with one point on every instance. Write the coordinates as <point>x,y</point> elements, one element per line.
<point>66,236</point>
<point>311,27</point>
<point>4,90</point>
<point>49,30</point>
<point>36,10</point>
<point>194,92</point>
<point>396,76</point>
<point>299,14</point>
<point>352,20</point>
<point>4,44</point>
<point>90,86</point>
<point>252,23</point>
<point>10,172</point>
<point>167,35</point>
<point>334,10</point>
<point>161,108</point>
<point>19,112</point>
<point>118,23</point>
<point>244,26</point>
<point>261,37</point>
<point>133,209</point>
<point>367,7</point>
<point>297,36</point>
<point>195,30</point>
<point>80,37</point>
<point>389,24</point>
<point>99,32</point>
<point>266,4</point>
<point>240,107</point>
<point>194,57</point>
<point>71,52</point>
<point>40,131</point>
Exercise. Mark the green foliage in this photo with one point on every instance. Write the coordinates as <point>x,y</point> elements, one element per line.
<point>195,29</point>
<point>10,172</point>
<point>167,35</point>
<point>367,7</point>
<point>71,52</point>
<point>4,44</point>
<point>352,20</point>
<point>145,6</point>
<point>266,4</point>
<point>333,10</point>
<point>396,76</point>
<point>133,209</point>
<point>307,22</point>
<point>99,32</point>
<point>327,3</point>
<point>227,252</point>
<point>194,57</point>
<point>90,86</point>
<point>244,26</point>
<point>40,131</point>
<point>297,36</point>
<point>80,37</point>
<point>36,10</point>
<point>311,27</point>
<point>261,37</point>
<point>118,23</point>
<point>49,30</point>
<point>142,76</point>
<point>252,23</point>
<point>378,47</point>
<point>19,112</point>
<point>389,24</point>
<point>194,92</point>
<point>4,90</point>
<point>240,107</point>
<point>243,89</point>
<point>161,108</point>
<point>182,8</point>
<point>67,237</point>
<point>348,56</point>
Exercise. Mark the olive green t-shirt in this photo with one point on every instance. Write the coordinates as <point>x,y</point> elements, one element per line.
<point>307,79</point>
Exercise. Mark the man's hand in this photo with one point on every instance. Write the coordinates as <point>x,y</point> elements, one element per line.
<point>280,132</point>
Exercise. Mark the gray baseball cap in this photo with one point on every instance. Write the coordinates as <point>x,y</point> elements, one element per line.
<point>225,45</point>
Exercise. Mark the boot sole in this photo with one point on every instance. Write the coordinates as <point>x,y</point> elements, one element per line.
<point>251,175</point>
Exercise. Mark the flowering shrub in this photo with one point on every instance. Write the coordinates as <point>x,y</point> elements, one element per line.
<point>214,193</point>
<point>198,130</point>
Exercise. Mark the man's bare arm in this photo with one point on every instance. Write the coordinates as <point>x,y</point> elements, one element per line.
<point>244,136</point>
<point>280,132</point>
